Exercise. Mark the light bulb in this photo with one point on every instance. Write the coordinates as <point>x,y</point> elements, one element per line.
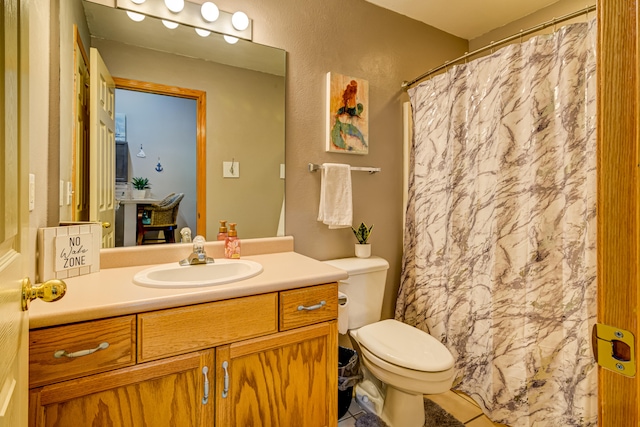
<point>170,24</point>
<point>202,33</point>
<point>174,6</point>
<point>137,1</point>
<point>135,16</point>
<point>240,21</point>
<point>231,39</point>
<point>209,11</point>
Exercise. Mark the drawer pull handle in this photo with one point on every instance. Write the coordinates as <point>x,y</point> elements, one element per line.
<point>205,398</point>
<point>63,353</point>
<point>313,307</point>
<point>225,391</point>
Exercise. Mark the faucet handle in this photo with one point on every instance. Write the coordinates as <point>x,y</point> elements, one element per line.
<point>198,244</point>
<point>186,235</point>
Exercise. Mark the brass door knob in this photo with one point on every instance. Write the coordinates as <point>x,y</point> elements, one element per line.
<point>49,291</point>
<point>106,225</point>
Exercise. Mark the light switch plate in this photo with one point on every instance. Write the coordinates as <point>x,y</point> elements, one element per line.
<point>230,169</point>
<point>69,192</point>
<point>61,193</point>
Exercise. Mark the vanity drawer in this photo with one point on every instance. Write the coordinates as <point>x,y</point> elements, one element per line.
<point>174,331</point>
<point>71,351</point>
<point>301,307</point>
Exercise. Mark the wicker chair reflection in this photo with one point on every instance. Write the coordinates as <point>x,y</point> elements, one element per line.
<point>161,216</point>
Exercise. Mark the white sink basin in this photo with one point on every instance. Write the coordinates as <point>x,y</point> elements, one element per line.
<point>174,275</point>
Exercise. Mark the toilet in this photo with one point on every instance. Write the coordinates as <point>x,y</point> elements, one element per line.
<point>410,362</point>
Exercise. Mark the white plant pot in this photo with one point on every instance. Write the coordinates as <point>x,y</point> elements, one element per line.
<point>138,194</point>
<point>363,250</point>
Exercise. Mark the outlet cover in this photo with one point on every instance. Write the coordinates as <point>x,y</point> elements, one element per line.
<point>230,169</point>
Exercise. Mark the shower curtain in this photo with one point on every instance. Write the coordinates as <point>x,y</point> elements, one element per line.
<point>499,254</point>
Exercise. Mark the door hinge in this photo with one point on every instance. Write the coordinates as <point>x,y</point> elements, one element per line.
<point>614,349</point>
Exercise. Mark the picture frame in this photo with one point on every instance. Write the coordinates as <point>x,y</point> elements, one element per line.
<point>347,114</point>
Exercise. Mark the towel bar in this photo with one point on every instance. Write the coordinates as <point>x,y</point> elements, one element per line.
<point>314,167</point>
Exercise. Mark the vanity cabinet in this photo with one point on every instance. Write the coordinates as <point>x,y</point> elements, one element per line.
<point>285,379</point>
<point>260,360</point>
<point>167,392</point>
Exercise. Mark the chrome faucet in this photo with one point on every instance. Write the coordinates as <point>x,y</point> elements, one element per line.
<point>198,256</point>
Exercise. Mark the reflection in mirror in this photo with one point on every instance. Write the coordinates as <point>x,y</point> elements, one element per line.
<point>160,136</point>
<point>244,88</point>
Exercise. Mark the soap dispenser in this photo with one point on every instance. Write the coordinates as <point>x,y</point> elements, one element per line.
<point>222,231</point>
<point>232,243</point>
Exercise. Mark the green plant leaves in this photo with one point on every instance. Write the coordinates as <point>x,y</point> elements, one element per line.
<point>362,233</point>
<point>140,183</point>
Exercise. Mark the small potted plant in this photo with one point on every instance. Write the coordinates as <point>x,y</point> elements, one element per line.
<point>362,233</point>
<point>140,186</point>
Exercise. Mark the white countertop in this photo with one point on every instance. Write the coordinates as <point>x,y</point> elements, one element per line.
<point>111,292</point>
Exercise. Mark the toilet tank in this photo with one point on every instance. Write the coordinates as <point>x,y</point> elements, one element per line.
<point>364,288</point>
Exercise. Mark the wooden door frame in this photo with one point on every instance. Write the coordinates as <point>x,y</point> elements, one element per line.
<point>76,169</point>
<point>201,139</point>
<point>618,197</point>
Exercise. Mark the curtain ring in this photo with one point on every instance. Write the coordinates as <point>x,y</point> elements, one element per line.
<point>521,31</point>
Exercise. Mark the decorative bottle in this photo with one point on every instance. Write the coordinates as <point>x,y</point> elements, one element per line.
<point>232,243</point>
<point>222,231</point>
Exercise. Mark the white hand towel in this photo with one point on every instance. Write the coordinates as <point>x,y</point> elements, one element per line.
<point>336,209</point>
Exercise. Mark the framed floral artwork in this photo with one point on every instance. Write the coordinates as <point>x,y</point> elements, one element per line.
<point>347,114</point>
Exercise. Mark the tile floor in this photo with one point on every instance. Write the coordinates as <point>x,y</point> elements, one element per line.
<point>457,404</point>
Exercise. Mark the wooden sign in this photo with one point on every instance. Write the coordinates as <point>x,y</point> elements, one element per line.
<point>68,251</point>
<point>73,251</point>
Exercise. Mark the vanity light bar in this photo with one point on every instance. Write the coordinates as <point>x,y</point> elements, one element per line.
<point>189,16</point>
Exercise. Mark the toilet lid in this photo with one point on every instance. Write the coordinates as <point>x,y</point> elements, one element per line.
<point>406,346</point>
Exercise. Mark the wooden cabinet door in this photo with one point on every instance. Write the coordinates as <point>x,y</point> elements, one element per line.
<point>285,379</point>
<point>168,392</point>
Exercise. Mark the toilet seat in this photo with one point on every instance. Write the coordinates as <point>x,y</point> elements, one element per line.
<point>405,346</point>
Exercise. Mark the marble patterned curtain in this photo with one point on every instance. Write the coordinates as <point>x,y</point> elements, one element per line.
<point>499,251</point>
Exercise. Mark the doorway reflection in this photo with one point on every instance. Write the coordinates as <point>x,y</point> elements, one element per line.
<point>166,127</point>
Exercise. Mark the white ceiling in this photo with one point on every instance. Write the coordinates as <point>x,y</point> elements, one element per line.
<point>471,19</point>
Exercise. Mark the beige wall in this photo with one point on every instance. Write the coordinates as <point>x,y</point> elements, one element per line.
<point>362,40</point>
<point>252,136</point>
<point>358,39</point>
<point>556,10</point>
<point>354,38</point>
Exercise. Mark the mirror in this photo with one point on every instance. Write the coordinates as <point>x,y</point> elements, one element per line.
<point>244,85</point>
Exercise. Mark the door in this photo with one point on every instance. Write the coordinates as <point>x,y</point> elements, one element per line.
<point>284,379</point>
<point>618,198</point>
<point>80,162</point>
<point>102,148</point>
<point>14,322</point>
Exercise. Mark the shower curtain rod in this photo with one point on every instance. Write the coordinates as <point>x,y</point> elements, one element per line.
<point>554,21</point>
